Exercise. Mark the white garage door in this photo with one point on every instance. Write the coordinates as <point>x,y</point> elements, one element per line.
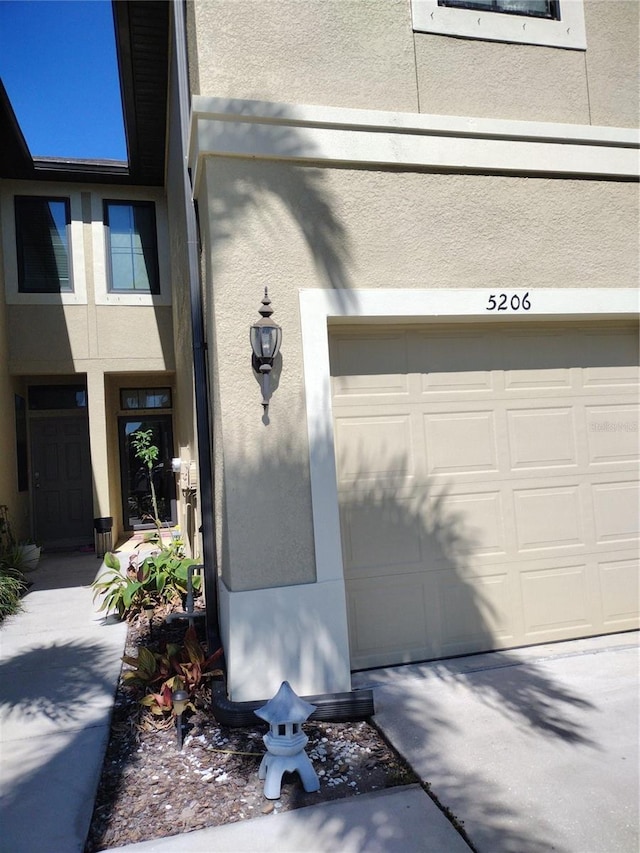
<point>488,484</point>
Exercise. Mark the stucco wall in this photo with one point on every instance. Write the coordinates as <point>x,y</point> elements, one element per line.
<point>90,333</point>
<point>293,228</point>
<point>536,83</point>
<point>55,338</point>
<point>612,61</point>
<point>365,54</point>
<point>341,52</point>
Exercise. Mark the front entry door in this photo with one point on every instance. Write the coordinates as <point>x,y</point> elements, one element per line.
<point>61,481</point>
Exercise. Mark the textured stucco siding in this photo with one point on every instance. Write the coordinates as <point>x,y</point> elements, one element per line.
<point>365,54</point>
<point>490,79</point>
<point>267,536</point>
<point>293,228</point>
<point>355,53</point>
<point>54,338</point>
<point>613,61</point>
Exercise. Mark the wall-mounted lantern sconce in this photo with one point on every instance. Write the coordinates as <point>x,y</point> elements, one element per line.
<point>266,337</point>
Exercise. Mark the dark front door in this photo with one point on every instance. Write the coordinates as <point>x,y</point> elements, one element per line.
<point>61,480</point>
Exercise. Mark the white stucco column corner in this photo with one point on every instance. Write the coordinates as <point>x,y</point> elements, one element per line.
<point>294,633</point>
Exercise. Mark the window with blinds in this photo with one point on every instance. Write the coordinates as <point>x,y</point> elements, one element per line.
<point>42,238</point>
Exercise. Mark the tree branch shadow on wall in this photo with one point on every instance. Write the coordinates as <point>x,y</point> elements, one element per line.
<point>303,192</point>
<point>415,700</point>
<point>447,549</point>
<point>526,694</point>
<point>529,695</point>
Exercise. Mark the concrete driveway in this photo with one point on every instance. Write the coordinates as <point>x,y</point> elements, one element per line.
<point>534,750</point>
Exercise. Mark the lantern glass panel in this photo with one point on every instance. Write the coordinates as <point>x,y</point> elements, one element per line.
<point>265,341</point>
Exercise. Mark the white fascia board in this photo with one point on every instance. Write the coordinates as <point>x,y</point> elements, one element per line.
<point>319,307</point>
<point>301,133</point>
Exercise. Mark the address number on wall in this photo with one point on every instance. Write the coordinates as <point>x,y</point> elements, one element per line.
<point>503,301</point>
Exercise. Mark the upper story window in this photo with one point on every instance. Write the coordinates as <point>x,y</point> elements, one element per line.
<point>551,23</point>
<point>42,244</point>
<point>132,246</point>
<point>535,8</point>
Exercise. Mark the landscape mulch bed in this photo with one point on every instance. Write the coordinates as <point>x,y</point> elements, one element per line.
<point>151,789</point>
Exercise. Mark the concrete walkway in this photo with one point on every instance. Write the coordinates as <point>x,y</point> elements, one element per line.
<point>59,666</point>
<point>534,750</point>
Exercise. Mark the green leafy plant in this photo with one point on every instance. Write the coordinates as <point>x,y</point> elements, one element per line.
<point>148,453</point>
<point>159,579</point>
<point>7,539</point>
<point>177,667</point>
<point>12,586</point>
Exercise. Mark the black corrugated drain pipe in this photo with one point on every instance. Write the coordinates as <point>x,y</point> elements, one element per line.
<point>330,707</point>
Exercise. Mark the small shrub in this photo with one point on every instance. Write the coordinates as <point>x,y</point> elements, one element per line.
<point>159,579</point>
<point>177,667</point>
<point>11,588</point>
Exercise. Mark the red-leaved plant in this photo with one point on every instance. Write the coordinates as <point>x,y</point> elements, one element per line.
<point>179,667</point>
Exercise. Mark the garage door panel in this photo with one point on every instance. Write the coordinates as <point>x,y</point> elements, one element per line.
<point>461,442</point>
<point>465,361</point>
<point>463,525</point>
<point>612,434</point>
<point>388,619</point>
<point>476,612</point>
<point>371,366</point>
<point>381,536</point>
<point>556,601</point>
<point>556,379</point>
<point>610,347</point>
<point>620,592</point>
<point>379,448</point>
<point>616,511</point>
<point>548,518</point>
<point>602,378</point>
<point>499,501</point>
<point>542,438</point>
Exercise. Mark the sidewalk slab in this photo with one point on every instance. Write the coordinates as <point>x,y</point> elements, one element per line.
<point>534,750</point>
<point>60,662</point>
<point>48,790</point>
<point>396,820</point>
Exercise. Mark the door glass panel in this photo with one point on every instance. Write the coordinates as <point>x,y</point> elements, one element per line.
<point>136,488</point>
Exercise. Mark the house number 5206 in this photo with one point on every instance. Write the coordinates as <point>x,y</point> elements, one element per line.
<point>502,302</point>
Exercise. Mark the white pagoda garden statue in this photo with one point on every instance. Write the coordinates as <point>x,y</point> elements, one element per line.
<point>285,742</point>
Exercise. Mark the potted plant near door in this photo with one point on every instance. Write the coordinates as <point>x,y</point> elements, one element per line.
<point>27,555</point>
<point>23,556</point>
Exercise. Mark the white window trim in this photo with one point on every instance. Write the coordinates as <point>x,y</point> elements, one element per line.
<point>319,307</point>
<point>569,32</point>
<point>103,296</point>
<point>13,296</point>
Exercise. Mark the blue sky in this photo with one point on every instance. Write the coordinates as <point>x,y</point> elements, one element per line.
<point>59,67</point>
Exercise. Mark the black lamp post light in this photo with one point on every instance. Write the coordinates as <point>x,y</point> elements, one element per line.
<point>180,701</point>
<point>266,337</point>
